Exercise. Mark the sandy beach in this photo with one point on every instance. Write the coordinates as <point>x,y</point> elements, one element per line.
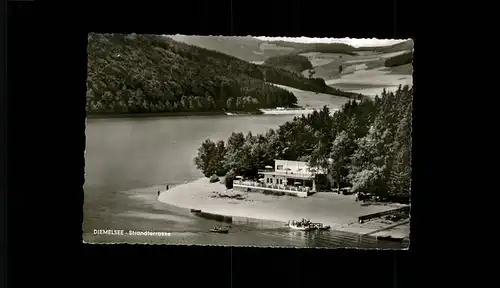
<point>341,212</point>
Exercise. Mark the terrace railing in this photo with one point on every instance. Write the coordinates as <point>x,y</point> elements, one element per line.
<point>282,187</point>
<point>288,173</point>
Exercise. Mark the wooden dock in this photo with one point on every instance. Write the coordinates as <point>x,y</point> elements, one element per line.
<point>362,219</point>
<point>388,227</point>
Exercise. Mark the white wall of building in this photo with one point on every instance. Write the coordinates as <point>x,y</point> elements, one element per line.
<point>295,167</point>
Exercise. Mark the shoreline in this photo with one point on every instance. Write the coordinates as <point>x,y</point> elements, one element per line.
<point>341,212</point>
<point>262,111</point>
<point>166,114</point>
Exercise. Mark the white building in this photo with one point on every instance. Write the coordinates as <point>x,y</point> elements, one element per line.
<point>292,173</point>
<point>289,177</point>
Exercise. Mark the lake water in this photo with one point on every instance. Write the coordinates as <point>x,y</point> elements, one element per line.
<point>126,156</point>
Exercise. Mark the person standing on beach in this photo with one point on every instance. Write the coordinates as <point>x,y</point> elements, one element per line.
<point>166,187</point>
<point>158,192</point>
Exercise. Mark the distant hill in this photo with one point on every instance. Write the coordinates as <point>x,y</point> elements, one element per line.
<point>245,48</point>
<point>254,50</point>
<point>406,45</point>
<point>149,74</point>
<point>340,48</point>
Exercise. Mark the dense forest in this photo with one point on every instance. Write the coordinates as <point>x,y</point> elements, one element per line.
<point>291,62</point>
<point>149,73</point>
<point>365,145</point>
<point>399,60</point>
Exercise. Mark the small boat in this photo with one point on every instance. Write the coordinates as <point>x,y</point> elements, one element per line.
<point>299,227</point>
<point>195,210</point>
<point>219,230</point>
<point>390,238</point>
<point>302,225</point>
<point>307,225</point>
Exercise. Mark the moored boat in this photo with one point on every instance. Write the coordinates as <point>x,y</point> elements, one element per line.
<point>195,210</point>
<point>297,226</point>
<point>306,225</point>
<point>220,230</point>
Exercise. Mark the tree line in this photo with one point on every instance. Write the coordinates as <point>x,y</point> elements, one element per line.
<point>365,145</point>
<point>339,48</point>
<point>291,62</point>
<point>405,45</point>
<point>148,73</point>
<point>399,60</point>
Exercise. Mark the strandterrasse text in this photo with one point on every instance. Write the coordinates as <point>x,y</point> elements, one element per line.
<point>130,232</point>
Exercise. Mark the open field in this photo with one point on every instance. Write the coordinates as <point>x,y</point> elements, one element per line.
<point>264,46</point>
<point>365,74</point>
<point>326,65</point>
<point>371,82</point>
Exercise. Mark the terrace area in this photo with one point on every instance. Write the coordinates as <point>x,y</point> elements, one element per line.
<point>289,174</point>
<point>299,191</point>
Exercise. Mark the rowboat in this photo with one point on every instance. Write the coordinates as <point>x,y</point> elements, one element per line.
<point>195,210</point>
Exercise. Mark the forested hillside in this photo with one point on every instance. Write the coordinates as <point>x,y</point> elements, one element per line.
<point>148,73</point>
<point>365,145</point>
<point>291,62</point>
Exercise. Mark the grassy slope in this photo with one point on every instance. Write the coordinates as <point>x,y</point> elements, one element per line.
<point>352,63</point>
